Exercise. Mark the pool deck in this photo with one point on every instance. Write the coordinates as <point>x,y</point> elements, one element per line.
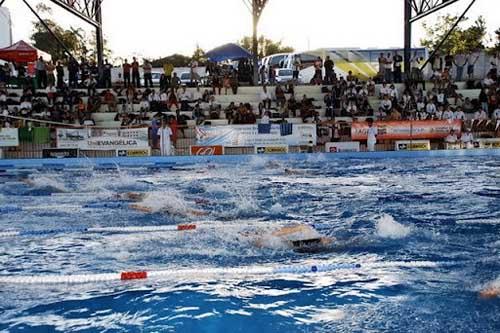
<point>170,161</point>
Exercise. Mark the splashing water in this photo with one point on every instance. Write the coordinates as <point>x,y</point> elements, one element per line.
<point>387,227</point>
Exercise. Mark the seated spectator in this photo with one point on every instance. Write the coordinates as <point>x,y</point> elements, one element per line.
<point>451,138</point>
<point>468,107</point>
<point>459,114</point>
<point>110,101</point>
<point>447,114</point>
<point>144,106</point>
<point>91,84</point>
<point>214,108</point>
<point>394,115</point>
<point>328,100</point>
<point>265,97</point>
<point>385,106</point>
<point>172,99</point>
<point>51,93</point>
<point>480,115</point>
<point>371,87</point>
<point>293,105</point>
<point>384,91</point>
<point>198,113</point>
<point>496,114</point>
<point>265,118</point>
<point>307,109</point>
<point>229,111</point>
<point>280,96</point>
<point>197,95</point>
<point>185,98</point>
<point>25,104</point>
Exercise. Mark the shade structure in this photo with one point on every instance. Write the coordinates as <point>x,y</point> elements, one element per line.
<point>228,52</point>
<point>22,52</point>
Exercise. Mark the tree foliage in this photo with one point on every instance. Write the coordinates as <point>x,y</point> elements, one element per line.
<point>496,46</point>
<point>199,56</point>
<point>461,40</point>
<point>267,46</point>
<point>76,40</point>
<point>178,60</point>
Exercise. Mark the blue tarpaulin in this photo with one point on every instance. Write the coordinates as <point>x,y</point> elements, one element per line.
<point>228,52</point>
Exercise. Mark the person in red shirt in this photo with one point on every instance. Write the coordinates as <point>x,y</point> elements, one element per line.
<point>174,126</point>
<point>136,81</point>
<point>126,73</point>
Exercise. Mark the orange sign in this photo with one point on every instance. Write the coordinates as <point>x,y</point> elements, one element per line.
<point>207,150</point>
<point>407,130</point>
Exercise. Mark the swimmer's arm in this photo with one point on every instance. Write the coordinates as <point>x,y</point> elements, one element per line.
<point>141,208</point>
<point>490,292</point>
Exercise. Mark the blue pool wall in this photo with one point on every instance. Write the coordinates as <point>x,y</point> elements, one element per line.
<point>168,161</point>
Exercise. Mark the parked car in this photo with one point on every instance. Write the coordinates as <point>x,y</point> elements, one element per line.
<point>155,76</point>
<point>185,78</point>
<point>284,75</point>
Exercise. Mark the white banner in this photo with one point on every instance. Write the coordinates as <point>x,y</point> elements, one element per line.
<point>257,135</point>
<point>98,139</point>
<point>9,137</point>
<point>413,145</point>
<point>342,147</point>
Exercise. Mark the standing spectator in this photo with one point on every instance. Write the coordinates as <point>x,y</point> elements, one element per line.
<point>148,77</point>
<point>106,74</point>
<point>329,73</point>
<point>41,73</point>
<point>194,75</point>
<point>448,61</point>
<point>272,75</point>
<point>60,75</point>
<point>73,73</point>
<point>136,80</point>
<point>280,96</point>
<point>168,69</point>
<point>297,66</point>
<point>262,74</point>
<point>234,82</point>
<point>388,68</point>
<point>372,135</point>
<point>381,66</point>
<point>318,71</point>
<point>494,62</point>
<point>51,78</point>
<point>84,69</point>
<point>126,73</point>
<point>460,61</point>
<point>398,60</point>
<point>472,59</point>
<point>164,136</point>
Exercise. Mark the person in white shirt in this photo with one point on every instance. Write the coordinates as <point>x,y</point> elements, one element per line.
<point>197,95</point>
<point>384,90</point>
<point>372,135</point>
<point>164,134</point>
<point>25,105</point>
<point>496,114</point>
<point>265,118</point>
<point>451,138</point>
<point>431,108</point>
<point>440,98</point>
<point>467,139</point>
<point>480,115</point>
<point>393,92</point>
<point>439,113</point>
<point>459,114</point>
<point>447,114</point>
<point>265,97</point>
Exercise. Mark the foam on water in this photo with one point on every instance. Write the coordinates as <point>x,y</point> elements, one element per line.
<point>387,227</point>
<point>40,181</point>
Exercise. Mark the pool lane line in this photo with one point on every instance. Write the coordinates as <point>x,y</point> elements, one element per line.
<point>172,273</point>
<point>114,230</point>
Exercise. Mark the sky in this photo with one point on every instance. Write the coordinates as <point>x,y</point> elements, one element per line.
<point>154,28</point>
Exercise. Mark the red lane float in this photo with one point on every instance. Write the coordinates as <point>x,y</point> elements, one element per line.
<point>134,275</point>
<point>184,227</point>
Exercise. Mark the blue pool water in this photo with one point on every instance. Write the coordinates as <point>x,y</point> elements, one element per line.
<point>425,232</point>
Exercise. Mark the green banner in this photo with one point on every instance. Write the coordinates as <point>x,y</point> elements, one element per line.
<point>36,135</point>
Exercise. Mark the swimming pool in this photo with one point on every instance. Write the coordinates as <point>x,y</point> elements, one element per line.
<point>425,232</point>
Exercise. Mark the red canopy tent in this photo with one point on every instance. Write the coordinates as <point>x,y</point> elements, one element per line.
<point>22,52</point>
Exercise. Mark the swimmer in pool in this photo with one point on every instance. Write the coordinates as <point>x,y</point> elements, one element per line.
<point>30,182</point>
<point>154,203</point>
<point>490,292</point>
<point>293,172</point>
<point>300,238</point>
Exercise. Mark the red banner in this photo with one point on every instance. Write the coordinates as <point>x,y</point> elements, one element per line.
<point>207,150</point>
<point>407,130</point>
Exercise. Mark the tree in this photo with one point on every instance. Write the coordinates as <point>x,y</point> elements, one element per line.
<point>178,60</point>
<point>460,40</point>
<point>267,47</point>
<point>76,40</point>
<point>496,47</point>
<point>199,56</point>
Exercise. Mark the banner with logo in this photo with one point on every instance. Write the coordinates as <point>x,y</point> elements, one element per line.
<point>9,137</point>
<point>206,150</point>
<point>406,130</point>
<point>342,147</point>
<point>257,135</point>
<point>261,150</point>
<point>60,153</point>
<point>144,152</point>
<point>488,143</point>
<point>413,145</point>
<point>102,139</point>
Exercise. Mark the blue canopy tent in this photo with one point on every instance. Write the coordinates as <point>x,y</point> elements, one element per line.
<point>228,52</point>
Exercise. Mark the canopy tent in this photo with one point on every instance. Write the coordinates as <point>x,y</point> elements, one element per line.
<point>228,52</point>
<point>22,52</point>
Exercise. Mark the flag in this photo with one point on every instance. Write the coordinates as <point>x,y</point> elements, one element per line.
<point>264,128</point>
<point>286,129</point>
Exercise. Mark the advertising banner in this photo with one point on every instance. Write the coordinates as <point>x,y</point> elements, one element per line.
<point>406,130</point>
<point>413,145</point>
<point>133,152</point>
<point>488,143</point>
<point>257,135</point>
<point>206,150</point>
<point>9,137</point>
<point>271,150</point>
<point>60,153</point>
<point>98,139</point>
<point>342,147</point>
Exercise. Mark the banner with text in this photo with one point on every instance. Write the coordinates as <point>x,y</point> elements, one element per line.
<point>257,135</point>
<point>102,139</point>
<point>406,130</point>
<point>9,137</point>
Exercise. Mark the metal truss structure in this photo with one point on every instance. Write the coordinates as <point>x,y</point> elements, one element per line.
<point>415,10</point>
